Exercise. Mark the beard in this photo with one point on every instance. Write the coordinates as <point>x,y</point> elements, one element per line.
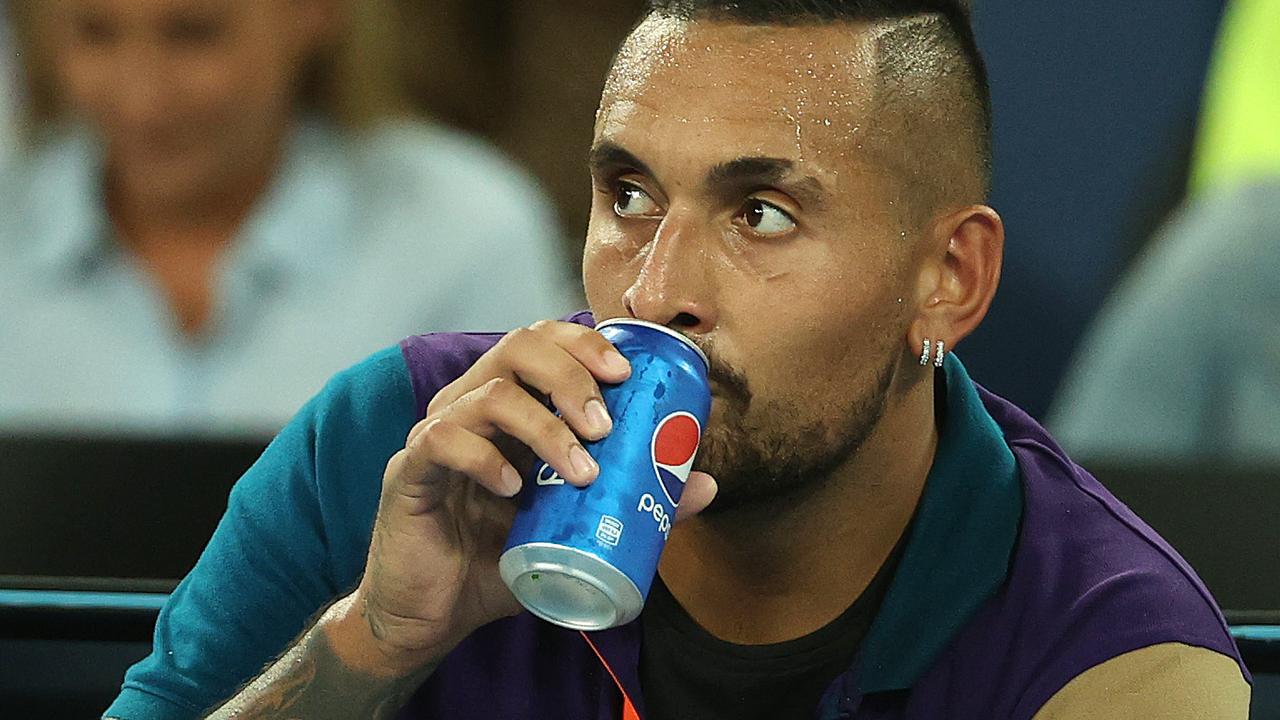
<point>770,459</point>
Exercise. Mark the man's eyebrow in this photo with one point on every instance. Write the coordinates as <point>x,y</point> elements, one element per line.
<point>747,173</point>
<point>611,156</point>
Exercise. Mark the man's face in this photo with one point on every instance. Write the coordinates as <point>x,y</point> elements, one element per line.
<point>186,94</point>
<point>734,200</point>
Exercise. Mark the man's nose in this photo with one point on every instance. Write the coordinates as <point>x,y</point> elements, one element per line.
<point>673,286</point>
<point>141,89</point>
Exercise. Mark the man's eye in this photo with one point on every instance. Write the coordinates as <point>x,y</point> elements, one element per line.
<point>765,218</point>
<point>631,201</point>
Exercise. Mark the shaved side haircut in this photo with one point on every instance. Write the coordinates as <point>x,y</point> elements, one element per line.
<point>931,124</point>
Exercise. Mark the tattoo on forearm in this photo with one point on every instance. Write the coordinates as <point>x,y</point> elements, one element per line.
<point>309,681</point>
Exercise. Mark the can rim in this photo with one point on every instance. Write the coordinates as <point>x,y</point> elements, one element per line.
<point>660,328</point>
<point>549,557</point>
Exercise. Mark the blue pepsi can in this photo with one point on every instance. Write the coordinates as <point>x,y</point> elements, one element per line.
<point>584,558</point>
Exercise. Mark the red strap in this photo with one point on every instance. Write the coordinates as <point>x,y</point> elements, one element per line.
<point>628,707</point>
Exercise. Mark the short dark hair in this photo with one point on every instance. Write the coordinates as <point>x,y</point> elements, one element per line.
<point>947,112</point>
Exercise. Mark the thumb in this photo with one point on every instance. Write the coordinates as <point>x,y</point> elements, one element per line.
<point>699,491</point>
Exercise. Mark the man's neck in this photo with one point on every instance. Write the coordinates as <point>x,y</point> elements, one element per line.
<point>211,216</point>
<point>180,241</point>
<point>763,576</point>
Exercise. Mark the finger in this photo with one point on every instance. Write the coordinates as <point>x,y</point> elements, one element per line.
<point>588,347</point>
<point>442,443</point>
<point>538,360</point>
<point>699,491</point>
<point>503,406</point>
<point>562,361</point>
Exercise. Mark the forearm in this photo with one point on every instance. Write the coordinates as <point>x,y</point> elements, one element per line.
<point>330,673</point>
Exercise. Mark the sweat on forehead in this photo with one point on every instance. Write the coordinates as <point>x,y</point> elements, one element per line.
<point>795,93</point>
<point>779,57</point>
<point>895,93</point>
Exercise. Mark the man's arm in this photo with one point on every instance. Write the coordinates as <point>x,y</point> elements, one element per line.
<point>1170,681</point>
<point>431,577</point>
<point>294,538</point>
<point>334,671</point>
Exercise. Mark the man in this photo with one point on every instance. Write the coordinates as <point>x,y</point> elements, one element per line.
<point>798,188</point>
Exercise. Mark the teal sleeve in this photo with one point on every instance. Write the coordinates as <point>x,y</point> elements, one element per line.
<point>294,538</point>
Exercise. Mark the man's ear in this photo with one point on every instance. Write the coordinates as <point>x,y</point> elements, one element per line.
<point>958,276</point>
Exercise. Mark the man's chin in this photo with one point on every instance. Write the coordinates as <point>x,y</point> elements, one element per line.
<point>765,478</point>
<point>740,473</point>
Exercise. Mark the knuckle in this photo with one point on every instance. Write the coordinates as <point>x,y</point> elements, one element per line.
<point>396,464</point>
<point>519,336</point>
<point>575,380</point>
<point>496,390</point>
<point>542,326</point>
<point>553,428</point>
<point>442,398</point>
<point>590,339</point>
<point>434,435</point>
<point>436,402</point>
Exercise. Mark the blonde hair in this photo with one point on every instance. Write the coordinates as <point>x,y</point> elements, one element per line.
<point>357,81</point>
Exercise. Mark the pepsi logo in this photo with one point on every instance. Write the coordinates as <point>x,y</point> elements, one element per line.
<point>547,475</point>
<point>675,442</point>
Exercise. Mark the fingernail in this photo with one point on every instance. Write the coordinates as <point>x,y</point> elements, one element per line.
<point>511,482</point>
<point>617,364</point>
<point>583,465</point>
<point>598,418</point>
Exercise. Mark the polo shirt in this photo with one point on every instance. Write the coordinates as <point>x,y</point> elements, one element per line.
<point>1019,573</point>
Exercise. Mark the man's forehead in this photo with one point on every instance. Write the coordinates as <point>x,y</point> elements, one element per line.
<point>764,59</point>
<point>810,85</point>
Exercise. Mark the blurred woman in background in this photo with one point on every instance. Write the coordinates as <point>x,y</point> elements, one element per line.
<point>1182,365</point>
<point>219,203</point>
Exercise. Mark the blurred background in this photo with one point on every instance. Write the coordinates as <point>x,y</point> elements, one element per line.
<point>330,175</point>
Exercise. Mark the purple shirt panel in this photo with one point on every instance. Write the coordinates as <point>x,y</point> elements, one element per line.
<point>1069,604</point>
<point>1088,581</point>
<point>518,668</point>
<point>437,359</point>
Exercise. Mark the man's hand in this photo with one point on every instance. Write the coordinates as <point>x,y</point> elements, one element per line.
<point>432,573</point>
<point>431,577</point>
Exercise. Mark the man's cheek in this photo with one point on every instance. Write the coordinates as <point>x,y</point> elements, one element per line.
<point>714,448</point>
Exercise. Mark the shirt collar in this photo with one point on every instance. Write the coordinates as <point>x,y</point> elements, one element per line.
<point>957,555</point>
<point>64,203</point>
<point>301,224</point>
<point>960,544</point>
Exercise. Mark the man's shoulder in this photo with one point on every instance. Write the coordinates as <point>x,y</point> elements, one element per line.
<point>1081,550</point>
<point>1088,581</point>
<point>1084,557</point>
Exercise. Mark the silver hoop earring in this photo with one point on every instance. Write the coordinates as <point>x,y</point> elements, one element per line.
<point>924,356</point>
<point>942,354</point>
